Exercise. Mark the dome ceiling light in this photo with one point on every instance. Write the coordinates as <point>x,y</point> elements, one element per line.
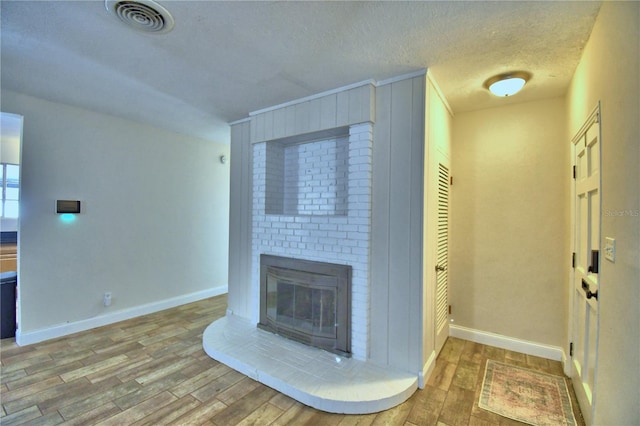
<point>507,84</point>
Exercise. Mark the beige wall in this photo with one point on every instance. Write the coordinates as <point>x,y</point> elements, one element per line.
<point>509,224</point>
<point>608,72</point>
<point>153,222</point>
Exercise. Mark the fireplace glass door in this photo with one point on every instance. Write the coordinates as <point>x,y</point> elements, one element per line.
<point>302,307</point>
<point>306,301</point>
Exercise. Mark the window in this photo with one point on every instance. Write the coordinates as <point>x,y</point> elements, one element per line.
<point>10,190</point>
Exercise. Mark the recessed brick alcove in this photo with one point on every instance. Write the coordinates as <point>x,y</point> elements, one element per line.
<point>328,212</point>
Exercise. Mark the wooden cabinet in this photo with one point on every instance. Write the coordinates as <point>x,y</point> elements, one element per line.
<point>8,257</point>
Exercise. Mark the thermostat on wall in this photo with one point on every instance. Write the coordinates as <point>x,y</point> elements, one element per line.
<point>67,206</point>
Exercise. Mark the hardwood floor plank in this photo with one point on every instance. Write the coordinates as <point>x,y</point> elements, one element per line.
<point>237,391</point>
<point>94,415</point>
<point>427,407</point>
<point>323,418</point>
<point>496,354</point>
<point>18,358</point>
<point>26,380</point>
<point>166,333</point>
<point>9,348</point>
<point>141,410</point>
<point>101,398</point>
<point>147,367</point>
<point>200,380</point>
<point>475,421</point>
<point>24,363</point>
<point>358,420</point>
<point>120,370</point>
<point>12,376</point>
<point>42,398</point>
<point>21,417</point>
<point>452,350</point>
<point>282,401</point>
<point>163,371</point>
<point>244,406</point>
<point>169,412</point>
<point>82,389</point>
<point>466,375</point>
<point>472,352</point>
<point>119,348</point>
<point>51,419</point>
<point>263,415</point>
<point>537,363</point>
<point>56,362</point>
<point>26,391</point>
<point>94,368</point>
<point>515,356</point>
<point>149,391</point>
<point>457,407</point>
<point>201,414</point>
<point>297,414</point>
<point>442,375</point>
<point>210,390</point>
<point>394,416</point>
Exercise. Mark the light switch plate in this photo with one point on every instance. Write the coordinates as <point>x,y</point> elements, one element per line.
<point>610,249</point>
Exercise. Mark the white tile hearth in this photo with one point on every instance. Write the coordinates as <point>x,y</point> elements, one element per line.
<point>312,376</point>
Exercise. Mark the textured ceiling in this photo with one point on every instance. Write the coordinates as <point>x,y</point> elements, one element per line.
<point>225,59</point>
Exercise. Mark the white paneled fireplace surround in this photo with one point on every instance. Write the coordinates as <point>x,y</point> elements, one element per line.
<point>328,185</point>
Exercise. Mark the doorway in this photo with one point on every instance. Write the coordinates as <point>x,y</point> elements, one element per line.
<point>586,219</point>
<point>10,148</point>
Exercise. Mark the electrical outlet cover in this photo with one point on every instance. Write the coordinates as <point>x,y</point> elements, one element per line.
<point>610,249</point>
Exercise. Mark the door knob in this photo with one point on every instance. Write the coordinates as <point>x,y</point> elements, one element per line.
<point>439,268</point>
<point>587,291</point>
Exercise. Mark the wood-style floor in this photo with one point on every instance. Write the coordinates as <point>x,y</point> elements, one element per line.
<point>152,370</point>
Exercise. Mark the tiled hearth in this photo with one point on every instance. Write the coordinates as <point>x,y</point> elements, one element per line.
<point>312,376</point>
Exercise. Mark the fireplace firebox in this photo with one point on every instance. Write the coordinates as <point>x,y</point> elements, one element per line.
<point>307,301</point>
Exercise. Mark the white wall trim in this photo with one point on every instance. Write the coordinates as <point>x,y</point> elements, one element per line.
<point>60,330</point>
<point>566,365</point>
<point>524,346</point>
<point>439,91</point>
<point>316,96</point>
<point>242,120</point>
<point>397,78</point>
<point>427,369</point>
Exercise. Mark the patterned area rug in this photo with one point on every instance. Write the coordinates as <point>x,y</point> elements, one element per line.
<point>525,395</point>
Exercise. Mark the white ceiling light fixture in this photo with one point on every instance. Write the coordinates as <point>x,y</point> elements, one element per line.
<point>507,84</point>
<point>142,15</point>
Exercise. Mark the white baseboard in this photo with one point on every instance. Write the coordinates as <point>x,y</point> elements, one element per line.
<point>567,367</point>
<point>427,369</point>
<point>60,330</point>
<point>524,346</point>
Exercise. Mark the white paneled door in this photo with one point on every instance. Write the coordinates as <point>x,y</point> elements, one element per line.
<point>586,262</point>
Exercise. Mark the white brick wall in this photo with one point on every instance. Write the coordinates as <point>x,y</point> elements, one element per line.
<point>325,211</point>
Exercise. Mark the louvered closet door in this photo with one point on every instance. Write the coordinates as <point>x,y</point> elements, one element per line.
<point>442,258</point>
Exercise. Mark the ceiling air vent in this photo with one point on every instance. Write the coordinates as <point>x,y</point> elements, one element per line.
<point>142,15</point>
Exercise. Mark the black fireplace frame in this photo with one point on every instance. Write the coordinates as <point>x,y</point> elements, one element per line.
<point>317,274</point>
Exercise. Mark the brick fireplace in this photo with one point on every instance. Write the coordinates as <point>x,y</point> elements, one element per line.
<point>312,201</point>
<point>337,178</point>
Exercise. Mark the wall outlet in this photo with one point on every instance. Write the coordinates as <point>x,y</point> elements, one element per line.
<point>106,301</point>
<point>610,249</point>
